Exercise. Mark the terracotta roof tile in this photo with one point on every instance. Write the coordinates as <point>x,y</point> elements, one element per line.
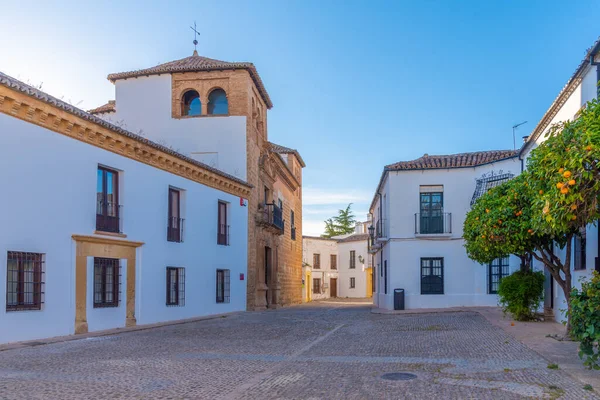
<point>355,238</point>
<point>196,63</point>
<point>461,160</point>
<point>106,108</point>
<point>277,148</point>
<point>12,83</point>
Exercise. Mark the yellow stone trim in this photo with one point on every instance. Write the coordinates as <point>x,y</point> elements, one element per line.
<point>38,112</point>
<point>121,235</point>
<point>94,246</point>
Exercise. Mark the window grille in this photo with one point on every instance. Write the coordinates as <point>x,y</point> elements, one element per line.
<point>333,261</point>
<point>580,251</point>
<point>316,261</point>
<point>498,269</point>
<point>175,286</point>
<point>486,183</point>
<point>24,281</point>
<point>352,259</point>
<point>317,285</point>
<point>107,282</point>
<point>352,283</point>
<point>223,286</point>
<point>432,276</point>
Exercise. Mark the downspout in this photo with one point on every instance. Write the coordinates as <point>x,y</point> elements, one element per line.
<point>597,65</point>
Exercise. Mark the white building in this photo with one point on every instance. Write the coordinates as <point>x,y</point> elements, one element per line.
<point>319,268</point>
<point>338,266</point>
<point>581,88</point>
<point>418,213</point>
<point>132,233</point>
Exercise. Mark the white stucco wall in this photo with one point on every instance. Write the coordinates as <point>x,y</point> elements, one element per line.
<point>584,92</point>
<point>143,106</point>
<point>50,184</point>
<point>465,282</point>
<point>325,248</point>
<point>359,273</point>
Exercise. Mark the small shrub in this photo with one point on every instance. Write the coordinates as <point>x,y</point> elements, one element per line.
<point>585,320</point>
<point>588,387</point>
<point>552,366</point>
<point>521,294</point>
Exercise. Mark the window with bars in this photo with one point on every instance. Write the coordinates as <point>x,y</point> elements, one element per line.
<point>223,286</point>
<point>488,182</point>
<point>432,276</point>
<point>223,227</point>
<point>175,286</point>
<point>317,285</point>
<point>352,283</point>
<point>24,281</point>
<point>498,269</point>
<point>107,201</point>
<point>579,252</point>
<point>175,222</point>
<point>352,259</point>
<point>316,261</point>
<point>107,277</point>
<point>333,261</point>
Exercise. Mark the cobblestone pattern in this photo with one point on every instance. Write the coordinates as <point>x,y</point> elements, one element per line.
<point>304,352</point>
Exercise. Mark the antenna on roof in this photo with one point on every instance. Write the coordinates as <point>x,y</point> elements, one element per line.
<point>196,33</point>
<point>515,127</point>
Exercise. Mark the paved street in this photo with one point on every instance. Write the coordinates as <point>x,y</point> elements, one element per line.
<point>321,351</point>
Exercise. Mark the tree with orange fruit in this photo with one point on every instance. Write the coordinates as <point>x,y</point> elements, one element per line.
<point>565,172</point>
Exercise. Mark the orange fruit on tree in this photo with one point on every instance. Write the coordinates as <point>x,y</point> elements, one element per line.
<point>567,174</point>
<point>541,192</point>
<point>560,171</point>
<point>574,217</point>
<point>487,210</point>
<point>564,190</point>
<point>573,207</point>
<point>559,185</point>
<point>572,182</point>
<point>588,147</point>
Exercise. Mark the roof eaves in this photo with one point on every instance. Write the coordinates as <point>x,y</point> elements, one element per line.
<point>15,84</point>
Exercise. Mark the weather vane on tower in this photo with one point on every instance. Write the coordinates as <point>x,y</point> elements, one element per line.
<point>196,33</point>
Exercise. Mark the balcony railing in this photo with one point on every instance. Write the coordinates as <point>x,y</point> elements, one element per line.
<point>293,233</point>
<point>272,216</point>
<point>380,229</point>
<point>223,235</point>
<point>175,229</point>
<point>108,217</point>
<point>433,224</point>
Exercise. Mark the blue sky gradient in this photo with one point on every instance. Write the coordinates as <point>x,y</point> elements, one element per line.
<point>355,84</point>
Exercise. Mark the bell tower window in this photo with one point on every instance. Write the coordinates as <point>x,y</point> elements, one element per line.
<point>217,102</point>
<point>190,104</point>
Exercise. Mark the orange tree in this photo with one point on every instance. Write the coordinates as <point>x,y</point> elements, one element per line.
<point>565,178</point>
<point>500,224</point>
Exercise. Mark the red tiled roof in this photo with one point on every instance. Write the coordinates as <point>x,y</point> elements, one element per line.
<point>277,148</point>
<point>196,63</point>
<point>106,108</point>
<point>453,160</point>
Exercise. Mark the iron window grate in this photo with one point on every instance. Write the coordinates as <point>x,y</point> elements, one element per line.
<point>107,282</point>
<point>486,183</point>
<point>432,276</point>
<point>352,259</point>
<point>223,286</point>
<point>24,281</point>
<point>352,283</point>
<point>498,269</point>
<point>317,285</point>
<point>316,261</point>
<point>333,261</point>
<point>175,286</point>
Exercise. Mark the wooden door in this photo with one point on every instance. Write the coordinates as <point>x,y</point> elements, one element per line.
<point>333,287</point>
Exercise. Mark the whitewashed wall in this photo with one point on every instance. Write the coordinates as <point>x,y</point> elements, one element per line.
<point>50,194</point>
<point>465,282</point>
<point>145,104</point>
<point>325,248</point>
<point>358,273</point>
<point>584,92</point>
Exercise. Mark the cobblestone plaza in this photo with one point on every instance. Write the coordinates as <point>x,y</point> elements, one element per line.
<point>317,351</point>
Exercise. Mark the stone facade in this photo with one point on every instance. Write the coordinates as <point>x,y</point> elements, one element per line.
<point>274,258</point>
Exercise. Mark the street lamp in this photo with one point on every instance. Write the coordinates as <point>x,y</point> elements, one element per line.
<point>371,231</point>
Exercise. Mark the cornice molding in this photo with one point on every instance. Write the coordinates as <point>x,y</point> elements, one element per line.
<point>45,115</point>
<point>106,240</point>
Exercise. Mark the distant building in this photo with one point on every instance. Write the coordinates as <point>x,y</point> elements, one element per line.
<point>338,266</point>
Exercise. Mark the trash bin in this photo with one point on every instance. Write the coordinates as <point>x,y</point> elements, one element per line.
<point>398,299</point>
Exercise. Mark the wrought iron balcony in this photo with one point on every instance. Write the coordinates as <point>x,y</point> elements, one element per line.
<point>175,229</point>
<point>435,223</point>
<point>108,216</point>
<point>223,235</point>
<point>381,229</point>
<point>271,217</point>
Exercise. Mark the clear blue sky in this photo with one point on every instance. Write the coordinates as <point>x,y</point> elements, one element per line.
<point>356,84</point>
